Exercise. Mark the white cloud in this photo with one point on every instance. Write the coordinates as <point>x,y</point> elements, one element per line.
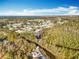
<point>71,10</point>
<point>73,7</point>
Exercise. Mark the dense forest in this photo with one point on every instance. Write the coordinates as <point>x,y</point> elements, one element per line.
<point>59,37</point>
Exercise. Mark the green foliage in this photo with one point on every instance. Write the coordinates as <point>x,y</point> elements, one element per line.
<point>11,36</point>
<point>66,35</point>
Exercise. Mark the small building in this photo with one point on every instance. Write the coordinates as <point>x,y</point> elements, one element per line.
<point>38,33</point>
<point>36,54</point>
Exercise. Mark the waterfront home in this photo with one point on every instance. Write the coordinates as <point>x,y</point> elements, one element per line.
<point>36,54</point>
<point>20,31</point>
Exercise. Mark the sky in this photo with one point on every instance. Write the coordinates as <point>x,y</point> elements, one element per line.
<point>39,7</point>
